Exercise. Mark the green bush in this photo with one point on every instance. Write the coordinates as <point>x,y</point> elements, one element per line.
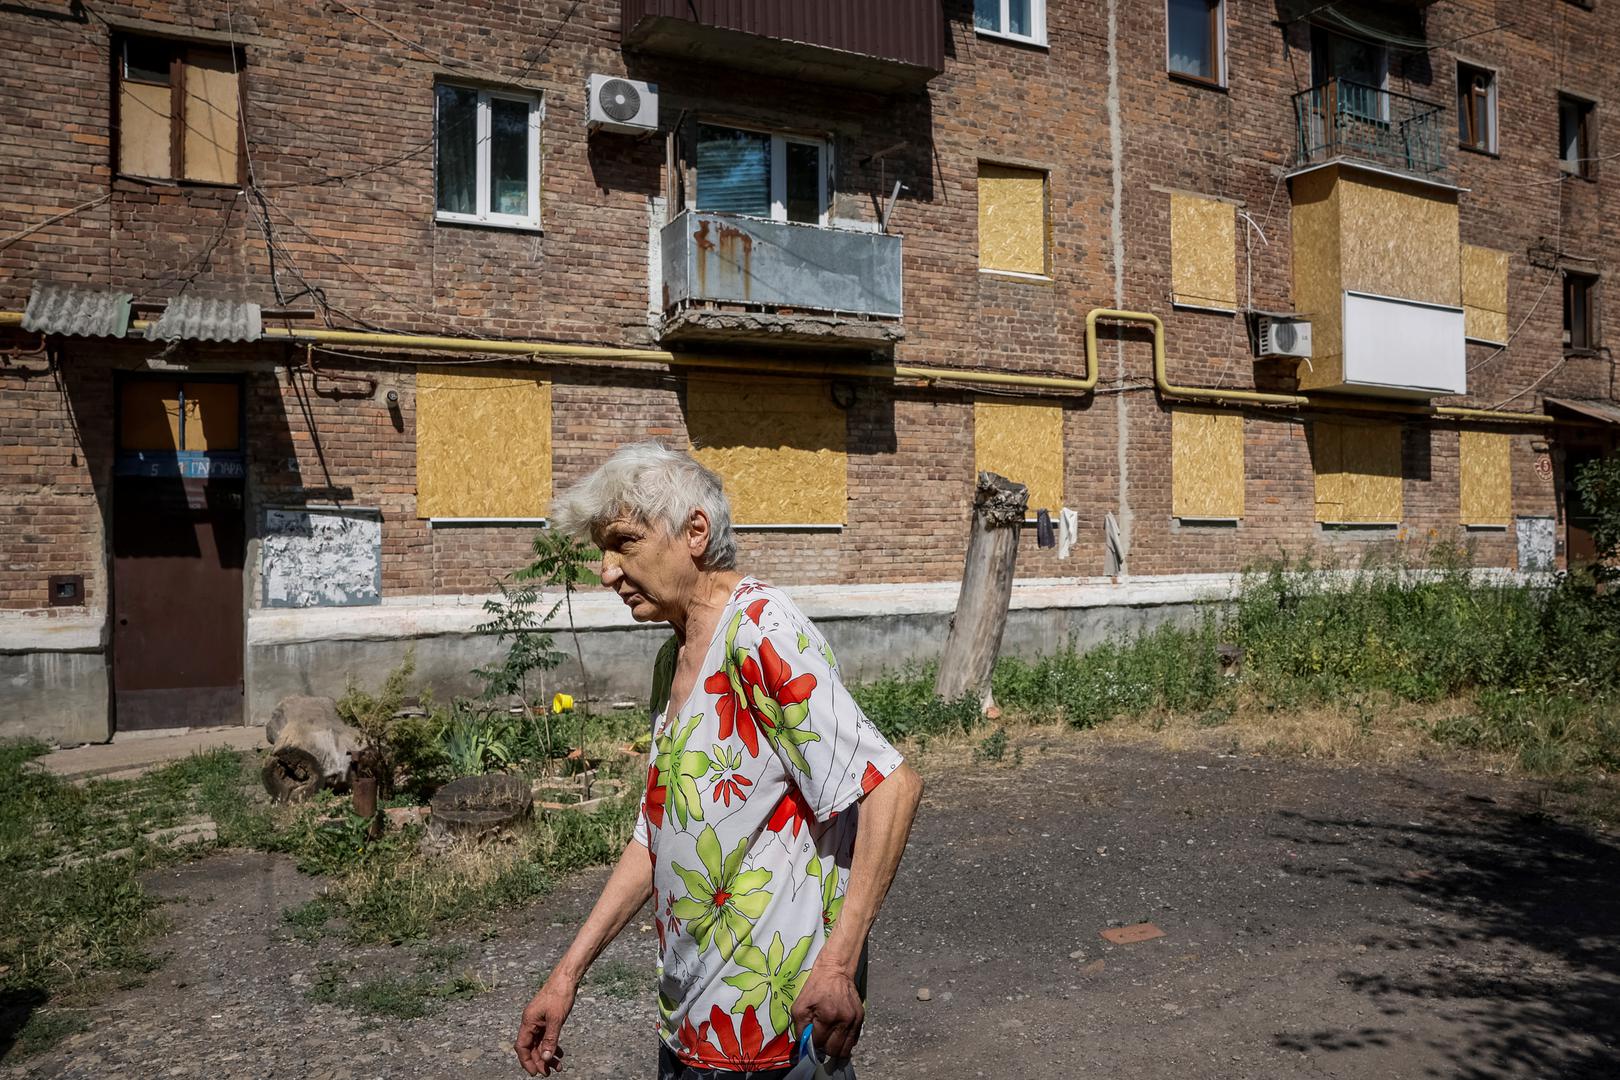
<point>903,706</point>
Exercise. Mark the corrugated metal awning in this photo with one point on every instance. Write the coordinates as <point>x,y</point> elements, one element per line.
<point>192,318</point>
<point>1591,408</point>
<point>58,309</point>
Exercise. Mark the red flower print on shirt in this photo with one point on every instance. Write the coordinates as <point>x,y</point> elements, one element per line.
<point>778,682</point>
<point>756,609</point>
<point>732,709</point>
<point>792,810</point>
<point>742,1049</point>
<point>657,794</point>
<point>693,1040</point>
<point>870,779</point>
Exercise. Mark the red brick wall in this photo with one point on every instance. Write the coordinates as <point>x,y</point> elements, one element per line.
<point>339,119</point>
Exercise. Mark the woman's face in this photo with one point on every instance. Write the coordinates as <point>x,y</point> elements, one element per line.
<point>652,571</point>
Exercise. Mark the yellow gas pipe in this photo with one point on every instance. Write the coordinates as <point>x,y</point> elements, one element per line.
<point>1084,385</point>
<point>1161,379</point>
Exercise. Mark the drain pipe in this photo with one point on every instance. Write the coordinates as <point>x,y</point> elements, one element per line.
<point>1166,388</point>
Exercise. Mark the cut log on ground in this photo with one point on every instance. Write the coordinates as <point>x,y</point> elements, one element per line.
<point>313,748</point>
<point>987,578</point>
<point>476,806</point>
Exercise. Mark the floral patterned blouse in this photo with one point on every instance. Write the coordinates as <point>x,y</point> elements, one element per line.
<point>750,821</point>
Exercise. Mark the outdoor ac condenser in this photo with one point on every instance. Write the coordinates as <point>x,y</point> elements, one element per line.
<point>623,105</point>
<point>1284,337</point>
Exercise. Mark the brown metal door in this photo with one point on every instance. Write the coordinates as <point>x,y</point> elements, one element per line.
<point>178,539</point>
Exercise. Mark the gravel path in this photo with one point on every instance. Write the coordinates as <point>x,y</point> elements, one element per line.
<point>1319,922</point>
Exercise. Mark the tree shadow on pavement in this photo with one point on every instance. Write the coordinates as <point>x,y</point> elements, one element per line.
<point>1518,923</point>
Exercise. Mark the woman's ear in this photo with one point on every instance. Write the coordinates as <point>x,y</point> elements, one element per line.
<point>698,534</point>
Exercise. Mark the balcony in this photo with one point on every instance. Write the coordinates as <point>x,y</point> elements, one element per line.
<point>734,278</point>
<point>1343,119</point>
<point>880,45</point>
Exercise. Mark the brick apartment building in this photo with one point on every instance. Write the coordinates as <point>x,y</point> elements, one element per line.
<point>308,307</point>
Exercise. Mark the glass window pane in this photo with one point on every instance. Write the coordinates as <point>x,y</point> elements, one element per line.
<point>508,157</point>
<point>1192,52</point>
<point>804,183</point>
<point>733,171</point>
<point>147,61</point>
<point>456,153</point>
<point>987,14</point>
<point>1018,18</point>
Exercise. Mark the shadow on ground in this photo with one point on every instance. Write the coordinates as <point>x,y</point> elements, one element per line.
<point>1519,915</point>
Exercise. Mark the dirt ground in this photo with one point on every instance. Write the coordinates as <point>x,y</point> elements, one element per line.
<point>1319,921</point>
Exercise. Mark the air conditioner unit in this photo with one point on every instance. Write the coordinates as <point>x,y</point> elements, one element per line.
<point>623,105</point>
<point>1284,337</point>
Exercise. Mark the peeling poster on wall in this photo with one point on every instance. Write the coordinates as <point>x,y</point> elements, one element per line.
<point>321,558</point>
<point>1537,544</point>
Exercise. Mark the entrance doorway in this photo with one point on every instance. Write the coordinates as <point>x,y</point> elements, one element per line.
<point>178,540</point>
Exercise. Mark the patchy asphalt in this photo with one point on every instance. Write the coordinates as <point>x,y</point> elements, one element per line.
<point>1318,922</point>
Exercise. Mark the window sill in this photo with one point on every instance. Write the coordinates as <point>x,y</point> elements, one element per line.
<point>1485,341</point>
<point>1209,524</point>
<point>1352,527</point>
<point>1198,81</point>
<point>503,226</point>
<point>1014,39</point>
<point>828,527</point>
<point>1017,275</point>
<point>486,523</point>
<point>132,182</point>
<point>1485,528</point>
<point>1480,150</point>
<point>1208,309</point>
<point>1588,352</point>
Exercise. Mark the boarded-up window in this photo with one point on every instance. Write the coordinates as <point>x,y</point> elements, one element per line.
<point>179,112</point>
<point>1358,472</point>
<point>1486,477</point>
<point>1012,219</point>
<point>1206,465</point>
<point>1484,294</point>
<point>1024,443</point>
<point>779,445</point>
<point>1203,252</point>
<point>483,444</point>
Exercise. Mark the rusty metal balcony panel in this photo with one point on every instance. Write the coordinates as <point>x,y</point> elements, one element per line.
<point>723,258</point>
<point>1342,119</point>
<point>883,45</point>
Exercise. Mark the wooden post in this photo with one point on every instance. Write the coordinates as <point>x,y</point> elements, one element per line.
<point>987,579</point>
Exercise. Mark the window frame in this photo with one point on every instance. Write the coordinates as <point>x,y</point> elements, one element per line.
<point>1217,31</point>
<point>1590,331</point>
<point>778,152</point>
<point>178,50</point>
<point>1047,255</point>
<point>1584,164</point>
<point>1491,144</point>
<point>1323,42</point>
<point>483,215</point>
<point>1037,19</point>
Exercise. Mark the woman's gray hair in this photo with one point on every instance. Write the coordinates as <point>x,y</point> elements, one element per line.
<point>648,483</point>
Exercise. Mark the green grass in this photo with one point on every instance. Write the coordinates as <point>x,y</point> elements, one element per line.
<point>400,997</point>
<point>617,979</point>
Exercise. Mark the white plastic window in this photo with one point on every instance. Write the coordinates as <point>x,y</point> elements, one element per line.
<point>779,177</point>
<point>487,157</point>
<point>1021,20</point>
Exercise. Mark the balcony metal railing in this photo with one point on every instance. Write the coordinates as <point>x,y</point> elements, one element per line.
<point>1340,118</point>
<point>744,260</point>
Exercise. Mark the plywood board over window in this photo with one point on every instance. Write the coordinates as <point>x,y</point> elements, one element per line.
<point>1203,252</point>
<point>1485,477</point>
<point>1024,443</point>
<point>1484,294</point>
<point>1206,465</point>
<point>212,135</point>
<point>483,444</point>
<point>1358,472</point>
<point>1012,219</point>
<point>780,446</point>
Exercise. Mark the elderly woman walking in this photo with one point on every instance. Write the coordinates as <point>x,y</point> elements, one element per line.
<point>775,815</point>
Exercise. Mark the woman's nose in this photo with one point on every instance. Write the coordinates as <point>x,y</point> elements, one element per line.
<point>610,570</point>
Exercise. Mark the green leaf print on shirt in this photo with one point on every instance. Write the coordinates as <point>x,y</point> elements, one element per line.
<point>832,905</point>
<point>721,906</point>
<point>773,975</point>
<point>680,769</point>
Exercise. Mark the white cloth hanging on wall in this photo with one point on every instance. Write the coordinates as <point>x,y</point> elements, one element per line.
<point>1068,531</point>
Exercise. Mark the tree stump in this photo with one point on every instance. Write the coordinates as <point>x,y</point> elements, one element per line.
<point>313,748</point>
<point>987,578</point>
<point>476,806</point>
